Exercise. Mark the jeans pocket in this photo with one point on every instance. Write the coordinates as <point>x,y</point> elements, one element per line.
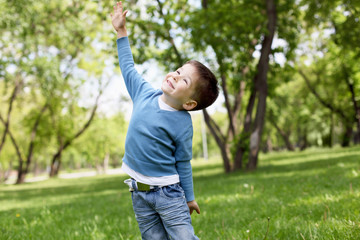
<point>173,191</point>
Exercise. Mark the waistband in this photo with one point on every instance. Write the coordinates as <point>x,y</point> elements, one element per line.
<point>141,187</point>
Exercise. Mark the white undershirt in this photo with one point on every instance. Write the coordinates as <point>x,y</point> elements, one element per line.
<point>164,106</point>
<point>155,181</point>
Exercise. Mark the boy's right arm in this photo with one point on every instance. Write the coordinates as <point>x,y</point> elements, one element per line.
<point>133,80</point>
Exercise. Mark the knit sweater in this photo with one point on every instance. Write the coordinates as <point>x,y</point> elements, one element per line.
<point>158,142</point>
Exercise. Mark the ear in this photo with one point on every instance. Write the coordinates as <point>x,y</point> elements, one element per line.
<point>189,105</point>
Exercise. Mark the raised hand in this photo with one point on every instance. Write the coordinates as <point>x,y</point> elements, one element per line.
<point>118,18</point>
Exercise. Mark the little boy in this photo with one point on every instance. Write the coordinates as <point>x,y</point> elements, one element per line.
<point>158,146</point>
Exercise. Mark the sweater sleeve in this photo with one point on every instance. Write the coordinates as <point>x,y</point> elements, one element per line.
<point>183,155</point>
<point>133,80</point>
<point>186,181</point>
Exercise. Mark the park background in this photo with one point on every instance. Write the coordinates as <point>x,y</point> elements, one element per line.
<point>276,157</point>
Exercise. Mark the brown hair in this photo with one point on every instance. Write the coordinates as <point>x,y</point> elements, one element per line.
<point>206,90</point>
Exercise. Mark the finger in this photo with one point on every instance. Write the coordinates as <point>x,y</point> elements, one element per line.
<point>120,6</point>
<point>124,14</point>
<point>191,211</point>
<point>198,210</point>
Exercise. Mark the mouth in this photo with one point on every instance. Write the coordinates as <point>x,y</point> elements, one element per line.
<point>170,84</point>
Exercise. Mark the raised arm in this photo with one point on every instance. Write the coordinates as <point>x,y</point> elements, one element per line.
<point>134,82</point>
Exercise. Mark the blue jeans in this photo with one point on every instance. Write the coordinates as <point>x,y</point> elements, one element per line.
<point>162,213</point>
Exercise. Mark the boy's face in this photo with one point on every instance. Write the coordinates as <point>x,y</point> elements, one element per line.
<point>179,86</point>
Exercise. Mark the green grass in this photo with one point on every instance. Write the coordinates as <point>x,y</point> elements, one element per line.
<point>307,195</point>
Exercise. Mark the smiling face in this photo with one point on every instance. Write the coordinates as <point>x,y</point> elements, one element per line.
<point>178,88</point>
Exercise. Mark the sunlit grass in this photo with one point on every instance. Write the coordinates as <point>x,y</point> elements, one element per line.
<point>307,195</point>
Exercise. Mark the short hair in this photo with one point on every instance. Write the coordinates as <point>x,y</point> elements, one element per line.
<point>206,89</point>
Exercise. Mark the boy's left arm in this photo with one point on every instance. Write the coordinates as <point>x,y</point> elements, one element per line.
<point>185,173</point>
<point>183,155</point>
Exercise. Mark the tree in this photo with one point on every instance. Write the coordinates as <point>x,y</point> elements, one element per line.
<point>234,47</point>
<point>44,43</point>
<point>225,34</point>
<point>99,146</point>
<point>341,53</point>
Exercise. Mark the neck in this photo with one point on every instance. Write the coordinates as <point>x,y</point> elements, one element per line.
<point>171,103</point>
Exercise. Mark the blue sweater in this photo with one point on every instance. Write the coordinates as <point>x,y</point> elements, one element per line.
<point>158,142</point>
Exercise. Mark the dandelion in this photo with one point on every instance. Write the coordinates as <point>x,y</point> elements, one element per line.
<point>246,185</point>
<point>18,215</point>
<point>248,231</point>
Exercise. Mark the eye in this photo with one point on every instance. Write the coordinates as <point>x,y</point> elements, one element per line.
<point>185,81</point>
<point>178,72</point>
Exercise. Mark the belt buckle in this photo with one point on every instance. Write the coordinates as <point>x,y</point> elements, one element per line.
<point>143,187</point>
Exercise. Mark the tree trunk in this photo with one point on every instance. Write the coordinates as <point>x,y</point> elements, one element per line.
<point>261,86</point>
<point>354,101</point>
<point>242,147</point>
<point>269,145</point>
<point>32,139</point>
<point>7,122</point>
<point>348,121</point>
<point>303,140</point>
<point>18,153</point>
<point>6,173</point>
<point>357,138</point>
<point>347,136</point>
<point>285,136</point>
<point>56,161</point>
<point>21,177</point>
<point>331,129</point>
<point>219,139</point>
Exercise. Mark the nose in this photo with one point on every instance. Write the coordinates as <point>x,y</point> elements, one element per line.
<point>176,78</point>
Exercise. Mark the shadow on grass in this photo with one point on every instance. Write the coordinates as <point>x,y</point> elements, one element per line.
<point>92,185</point>
<point>97,216</point>
<point>285,168</point>
<point>280,156</point>
<point>312,164</point>
<point>100,207</point>
<point>67,187</point>
<point>291,181</point>
<point>316,195</point>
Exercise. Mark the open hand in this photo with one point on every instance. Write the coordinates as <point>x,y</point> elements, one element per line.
<point>193,206</point>
<point>118,18</point>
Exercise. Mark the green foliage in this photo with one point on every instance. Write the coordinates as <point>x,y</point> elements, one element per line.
<point>106,136</point>
<point>53,48</point>
<point>198,151</point>
<point>60,48</point>
<point>307,195</point>
<point>343,16</point>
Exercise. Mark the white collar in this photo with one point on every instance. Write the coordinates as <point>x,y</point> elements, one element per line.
<point>164,106</point>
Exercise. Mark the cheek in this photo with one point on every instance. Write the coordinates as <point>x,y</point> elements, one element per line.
<point>166,77</point>
<point>171,74</point>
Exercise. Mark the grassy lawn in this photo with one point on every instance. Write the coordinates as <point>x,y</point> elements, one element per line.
<point>307,195</point>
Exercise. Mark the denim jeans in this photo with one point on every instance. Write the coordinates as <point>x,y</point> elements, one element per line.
<point>162,213</point>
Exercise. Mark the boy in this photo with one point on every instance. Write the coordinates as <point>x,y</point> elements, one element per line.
<point>158,146</point>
